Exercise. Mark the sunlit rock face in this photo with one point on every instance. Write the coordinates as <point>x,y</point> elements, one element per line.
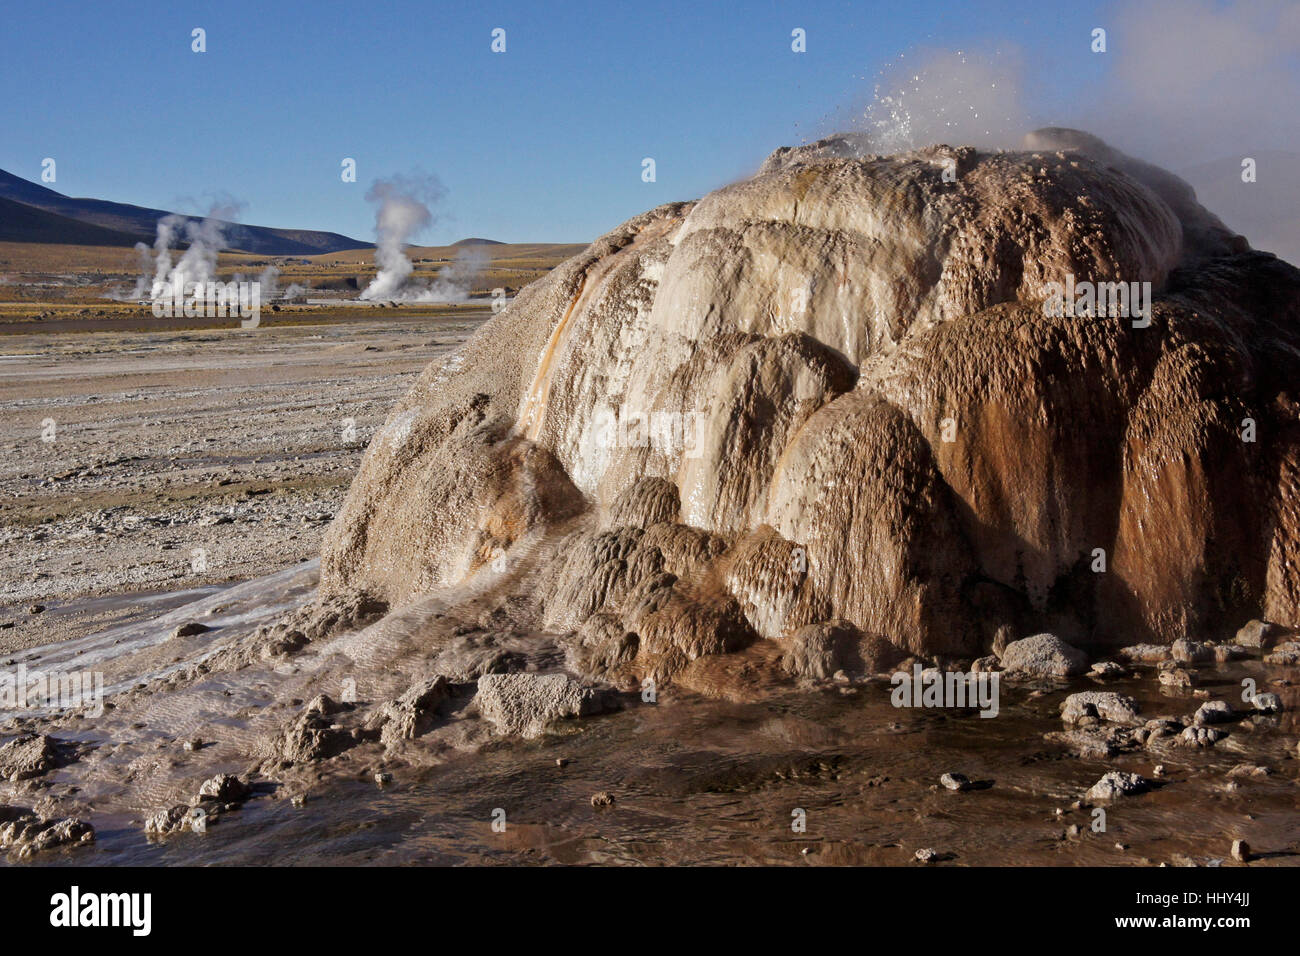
<point>832,392</point>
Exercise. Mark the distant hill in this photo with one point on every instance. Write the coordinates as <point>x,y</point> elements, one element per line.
<point>138,224</point>
<point>478,242</point>
<point>20,222</point>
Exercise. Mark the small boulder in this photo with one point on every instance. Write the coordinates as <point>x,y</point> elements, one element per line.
<point>1287,654</point>
<point>820,650</point>
<point>1259,634</point>
<point>1191,652</point>
<point>1044,655</point>
<point>312,735</point>
<point>1253,771</point>
<point>415,712</point>
<point>170,820</point>
<point>189,629</point>
<point>1144,653</point>
<point>1213,712</point>
<point>26,833</point>
<point>1201,736</point>
<point>1117,784</point>
<point>1104,669</point>
<point>226,788</point>
<point>526,704</point>
<point>955,781</point>
<point>1229,652</point>
<point>28,756</point>
<point>1268,703</point>
<point>1090,745</point>
<point>1106,705</point>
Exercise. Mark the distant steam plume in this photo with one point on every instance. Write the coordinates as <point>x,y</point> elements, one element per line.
<point>205,238</point>
<point>403,213</point>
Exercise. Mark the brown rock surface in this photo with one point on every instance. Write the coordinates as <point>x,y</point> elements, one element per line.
<point>831,393</point>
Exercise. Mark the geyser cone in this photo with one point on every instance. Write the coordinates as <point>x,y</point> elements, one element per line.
<point>830,395</point>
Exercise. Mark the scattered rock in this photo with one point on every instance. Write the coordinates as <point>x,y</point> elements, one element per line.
<point>1213,712</point>
<point>1240,850</point>
<point>926,855</point>
<point>1044,655</point>
<point>189,629</point>
<point>602,799</point>
<point>382,777</point>
<point>225,787</point>
<point>28,756</point>
<point>955,781</point>
<point>1268,703</point>
<point>415,712</point>
<point>1107,669</point>
<point>1117,784</point>
<point>1287,654</point>
<point>1177,677</point>
<point>526,704</point>
<point>1105,705</point>
<point>27,833</point>
<point>1201,736</point>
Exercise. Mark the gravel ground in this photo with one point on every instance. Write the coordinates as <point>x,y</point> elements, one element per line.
<point>140,464</point>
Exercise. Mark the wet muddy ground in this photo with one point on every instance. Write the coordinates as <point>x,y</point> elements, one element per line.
<point>694,780</point>
<point>185,440</point>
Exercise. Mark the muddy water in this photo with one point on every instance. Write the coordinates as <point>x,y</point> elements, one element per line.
<point>706,781</point>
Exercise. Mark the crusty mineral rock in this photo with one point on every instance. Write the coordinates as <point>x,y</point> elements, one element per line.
<point>414,712</point>
<point>27,833</point>
<point>1105,705</point>
<point>1044,655</point>
<point>838,391</point>
<point>1117,784</point>
<point>224,787</point>
<point>526,704</point>
<point>28,756</point>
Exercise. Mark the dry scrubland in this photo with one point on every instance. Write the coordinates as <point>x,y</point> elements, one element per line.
<point>36,274</point>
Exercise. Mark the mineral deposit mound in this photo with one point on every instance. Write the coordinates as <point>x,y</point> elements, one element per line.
<point>825,410</point>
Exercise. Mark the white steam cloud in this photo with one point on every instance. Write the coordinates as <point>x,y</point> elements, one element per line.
<point>1194,86</point>
<point>205,238</point>
<point>402,215</point>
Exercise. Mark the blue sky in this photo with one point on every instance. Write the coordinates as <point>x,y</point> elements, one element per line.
<point>541,143</point>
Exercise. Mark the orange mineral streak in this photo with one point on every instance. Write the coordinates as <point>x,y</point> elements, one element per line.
<point>533,412</point>
<point>530,419</point>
